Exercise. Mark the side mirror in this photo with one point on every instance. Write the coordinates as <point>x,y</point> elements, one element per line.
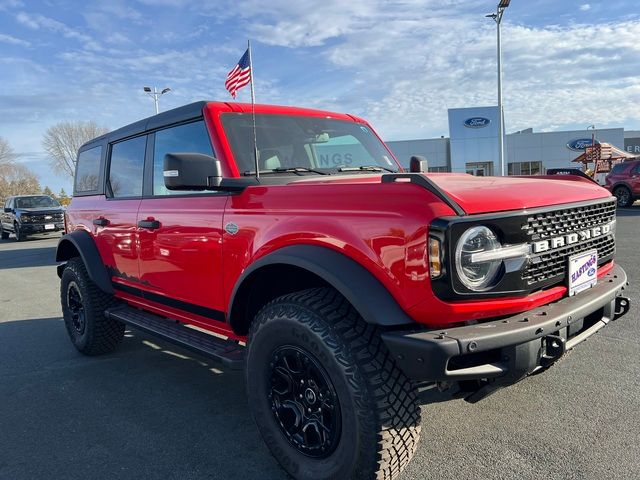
<point>191,171</point>
<point>418,164</point>
<point>7,210</point>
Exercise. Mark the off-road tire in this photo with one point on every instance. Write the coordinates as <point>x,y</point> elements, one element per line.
<point>379,409</point>
<point>4,235</point>
<point>100,333</point>
<point>20,237</point>
<point>623,196</point>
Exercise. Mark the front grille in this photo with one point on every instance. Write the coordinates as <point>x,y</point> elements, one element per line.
<point>41,218</point>
<point>567,220</point>
<point>553,264</point>
<point>549,267</point>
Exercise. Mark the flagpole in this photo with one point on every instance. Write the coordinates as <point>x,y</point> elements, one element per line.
<point>253,113</point>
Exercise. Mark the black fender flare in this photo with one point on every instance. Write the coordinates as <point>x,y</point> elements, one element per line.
<point>359,286</point>
<point>82,242</point>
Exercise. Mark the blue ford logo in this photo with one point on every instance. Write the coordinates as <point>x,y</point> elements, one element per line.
<point>476,122</point>
<point>591,272</point>
<point>579,144</point>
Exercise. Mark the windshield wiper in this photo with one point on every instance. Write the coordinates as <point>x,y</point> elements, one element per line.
<point>296,170</point>
<point>366,168</point>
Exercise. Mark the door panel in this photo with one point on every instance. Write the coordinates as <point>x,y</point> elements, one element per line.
<point>634,181</point>
<point>115,228</point>
<point>181,254</point>
<point>182,259</point>
<point>117,240</point>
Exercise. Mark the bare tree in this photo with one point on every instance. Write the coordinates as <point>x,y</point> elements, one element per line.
<point>7,154</point>
<point>15,178</point>
<point>62,141</point>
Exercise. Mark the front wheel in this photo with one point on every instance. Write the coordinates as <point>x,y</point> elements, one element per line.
<point>20,237</point>
<point>624,197</point>
<point>326,395</point>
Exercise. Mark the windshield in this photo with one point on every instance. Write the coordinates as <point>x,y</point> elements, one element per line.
<point>316,143</point>
<point>36,202</point>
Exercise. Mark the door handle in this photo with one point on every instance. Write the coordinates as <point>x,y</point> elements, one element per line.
<point>149,223</point>
<point>100,222</point>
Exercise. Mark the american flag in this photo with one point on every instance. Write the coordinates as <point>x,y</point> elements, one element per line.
<point>240,76</point>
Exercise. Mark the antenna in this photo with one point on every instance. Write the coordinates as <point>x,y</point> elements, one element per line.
<point>253,114</point>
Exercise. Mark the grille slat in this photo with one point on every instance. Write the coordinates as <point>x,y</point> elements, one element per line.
<point>545,225</point>
<point>40,218</point>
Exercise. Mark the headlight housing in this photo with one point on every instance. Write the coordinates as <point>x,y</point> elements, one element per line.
<point>25,218</point>
<point>477,275</point>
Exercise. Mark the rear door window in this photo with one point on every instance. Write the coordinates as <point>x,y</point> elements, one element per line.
<point>126,168</point>
<point>188,138</point>
<point>88,170</point>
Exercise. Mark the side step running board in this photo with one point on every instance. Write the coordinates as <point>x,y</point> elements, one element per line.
<point>229,352</point>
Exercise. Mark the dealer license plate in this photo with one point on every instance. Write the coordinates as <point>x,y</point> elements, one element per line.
<point>49,226</point>
<point>583,271</point>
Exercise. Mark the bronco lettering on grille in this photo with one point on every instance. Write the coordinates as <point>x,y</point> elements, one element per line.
<point>571,238</point>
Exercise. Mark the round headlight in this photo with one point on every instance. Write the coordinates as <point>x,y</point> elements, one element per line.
<point>477,275</point>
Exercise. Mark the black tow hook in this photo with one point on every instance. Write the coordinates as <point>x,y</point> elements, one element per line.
<point>621,307</point>
<point>554,348</point>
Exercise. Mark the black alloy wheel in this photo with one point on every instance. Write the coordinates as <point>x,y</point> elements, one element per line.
<point>304,402</point>
<point>623,195</point>
<point>76,308</point>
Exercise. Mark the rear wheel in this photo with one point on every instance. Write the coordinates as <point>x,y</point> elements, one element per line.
<point>624,197</point>
<point>83,307</point>
<point>326,395</point>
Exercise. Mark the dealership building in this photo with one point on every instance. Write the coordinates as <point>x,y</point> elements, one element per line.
<point>472,146</point>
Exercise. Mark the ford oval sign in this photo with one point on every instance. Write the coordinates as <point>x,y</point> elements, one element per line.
<point>476,122</point>
<point>579,144</point>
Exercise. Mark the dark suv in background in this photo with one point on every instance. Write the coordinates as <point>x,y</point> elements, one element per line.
<point>31,214</point>
<point>624,182</point>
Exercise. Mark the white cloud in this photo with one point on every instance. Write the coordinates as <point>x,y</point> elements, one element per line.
<point>9,4</point>
<point>403,67</point>
<point>585,7</point>
<point>37,22</point>
<point>13,40</point>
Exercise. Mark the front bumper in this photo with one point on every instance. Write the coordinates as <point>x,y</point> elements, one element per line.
<point>510,348</point>
<point>34,228</point>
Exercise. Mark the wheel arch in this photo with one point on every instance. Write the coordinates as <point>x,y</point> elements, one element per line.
<point>306,266</point>
<point>622,183</point>
<point>81,244</point>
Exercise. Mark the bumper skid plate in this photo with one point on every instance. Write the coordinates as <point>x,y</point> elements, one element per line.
<point>510,348</point>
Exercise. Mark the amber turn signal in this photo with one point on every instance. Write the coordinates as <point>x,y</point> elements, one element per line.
<point>435,258</point>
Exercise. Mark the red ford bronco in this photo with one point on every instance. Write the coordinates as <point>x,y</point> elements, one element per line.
<point>293,245</point>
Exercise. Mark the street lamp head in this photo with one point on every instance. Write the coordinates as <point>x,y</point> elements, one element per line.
<point>147,89</point>
<point>165,90</point>
<point>492,15</point>
<point>504,3</point>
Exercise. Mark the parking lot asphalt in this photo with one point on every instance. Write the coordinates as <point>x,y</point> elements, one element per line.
<point>152,411</point>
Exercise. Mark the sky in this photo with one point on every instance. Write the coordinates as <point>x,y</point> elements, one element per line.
<point>400,63</point>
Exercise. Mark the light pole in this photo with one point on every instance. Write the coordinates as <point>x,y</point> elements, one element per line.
<point>497,17</point>
<point>155,94</point>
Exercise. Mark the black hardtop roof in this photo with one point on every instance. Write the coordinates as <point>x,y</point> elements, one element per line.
<point>176,115</point>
